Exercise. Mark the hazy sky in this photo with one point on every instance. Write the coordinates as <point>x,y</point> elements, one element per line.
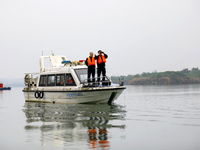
<point>138,35</point>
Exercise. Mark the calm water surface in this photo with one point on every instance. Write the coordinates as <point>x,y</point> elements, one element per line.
<point>143,118</point>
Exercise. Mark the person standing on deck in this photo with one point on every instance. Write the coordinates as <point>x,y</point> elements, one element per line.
<point>101,60</point>
<point>90,62</point>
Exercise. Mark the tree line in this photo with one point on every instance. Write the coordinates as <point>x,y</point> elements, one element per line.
<point>184,76</point>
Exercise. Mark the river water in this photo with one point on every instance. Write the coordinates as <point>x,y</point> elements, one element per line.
<point>143,118</point>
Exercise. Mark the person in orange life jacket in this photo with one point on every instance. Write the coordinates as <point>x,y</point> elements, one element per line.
<point>70,81</point>
<point>90,62</point>
<point>101,60</point>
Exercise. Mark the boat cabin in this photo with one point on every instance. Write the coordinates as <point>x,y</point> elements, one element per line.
<point>62,73</point>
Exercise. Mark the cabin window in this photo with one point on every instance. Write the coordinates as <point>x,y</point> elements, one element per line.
<point>69,80</point>
<point>60,80</point>
<point>50,80</point>
<point>42,80</point>
<point>57,80</point>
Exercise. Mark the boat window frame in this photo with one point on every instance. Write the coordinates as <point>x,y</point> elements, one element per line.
<point>45,82</point>
<point>45,77</point>
<point>69,74</point>
<point>48,75</point>
<point>60,81</point>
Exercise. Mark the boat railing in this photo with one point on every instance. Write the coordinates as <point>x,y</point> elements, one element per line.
<point>30,79</point>
<point>97,81</point>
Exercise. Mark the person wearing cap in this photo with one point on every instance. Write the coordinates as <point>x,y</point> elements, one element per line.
<point>90,62</point>
<point>101,60</point>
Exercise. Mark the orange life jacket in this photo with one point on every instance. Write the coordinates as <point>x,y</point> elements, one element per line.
<point>70,81</point>
<point>100,60</point>
<point>91,62</point>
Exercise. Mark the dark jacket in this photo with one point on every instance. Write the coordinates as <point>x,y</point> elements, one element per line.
<point>102,64</point>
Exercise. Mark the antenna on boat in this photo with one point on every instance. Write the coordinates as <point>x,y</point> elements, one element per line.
<point>52,53</point>
<point>42,53</point>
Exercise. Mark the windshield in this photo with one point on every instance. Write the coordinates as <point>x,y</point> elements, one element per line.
<point>82,74</point>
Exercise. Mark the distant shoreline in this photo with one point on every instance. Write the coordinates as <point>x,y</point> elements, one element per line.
<point>162,78</point>
<point>163,81</point>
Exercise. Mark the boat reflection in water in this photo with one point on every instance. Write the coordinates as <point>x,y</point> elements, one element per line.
<point>72,125</point>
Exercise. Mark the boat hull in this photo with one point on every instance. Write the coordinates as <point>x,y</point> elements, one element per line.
<point>74,97</point>
<point>5,88</point>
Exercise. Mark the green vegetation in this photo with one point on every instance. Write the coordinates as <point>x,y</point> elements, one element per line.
<point>162,78</point>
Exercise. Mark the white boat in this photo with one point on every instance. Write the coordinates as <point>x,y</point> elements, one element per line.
<point>66,82</point>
